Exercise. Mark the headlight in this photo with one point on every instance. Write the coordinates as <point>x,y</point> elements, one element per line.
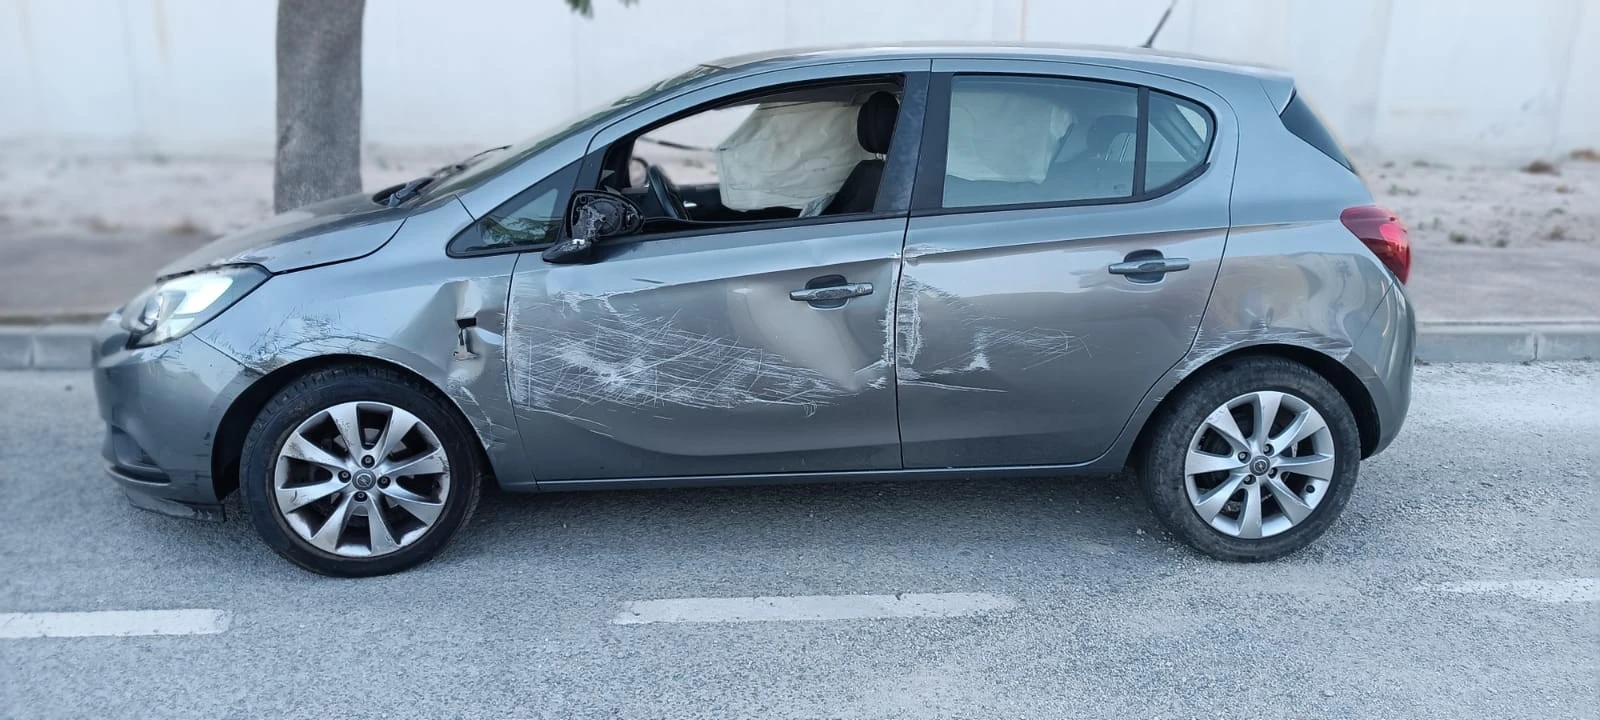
<point>171,308</point>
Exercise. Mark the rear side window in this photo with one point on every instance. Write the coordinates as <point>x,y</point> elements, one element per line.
<point>1021,140</point>
<point>1025,140</point>
<point>1180,138</point>
<point>1305,124</point>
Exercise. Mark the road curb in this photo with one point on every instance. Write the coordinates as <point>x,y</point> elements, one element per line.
<point>45,347</point>
<point>66,347</point>
<point>1444,342</point>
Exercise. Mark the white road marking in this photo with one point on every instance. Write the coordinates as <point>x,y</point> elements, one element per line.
<point>1565,590</point>
<point>810,607</point>
<point>112,623</point>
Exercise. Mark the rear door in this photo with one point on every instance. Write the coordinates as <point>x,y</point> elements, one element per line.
<point>1066,231</point>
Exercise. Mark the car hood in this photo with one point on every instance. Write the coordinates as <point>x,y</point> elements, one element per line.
<point>340,229</point>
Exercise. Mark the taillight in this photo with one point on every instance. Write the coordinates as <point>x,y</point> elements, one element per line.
<point>1383,234</point>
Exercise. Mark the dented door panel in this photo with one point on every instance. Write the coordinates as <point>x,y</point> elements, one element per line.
<point>1018,344</point>
<point>406,304</point>
<point>687,356</point>
<point>1019,347</point>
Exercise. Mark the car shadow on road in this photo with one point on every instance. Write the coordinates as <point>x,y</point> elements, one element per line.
<point>1097,514</point>
<point>882,529</point>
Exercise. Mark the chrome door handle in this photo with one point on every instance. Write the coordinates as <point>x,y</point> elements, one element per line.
<point>1150,266</point>
<point>831,292</point>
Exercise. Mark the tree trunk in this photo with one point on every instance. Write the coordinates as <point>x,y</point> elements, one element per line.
<point>319,101</point>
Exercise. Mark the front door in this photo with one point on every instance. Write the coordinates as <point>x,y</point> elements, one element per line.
<point>688,355</point>
<point>1066,233</point>
<point>746,338</point>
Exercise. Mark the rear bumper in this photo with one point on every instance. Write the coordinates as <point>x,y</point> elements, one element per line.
<point>162,406</point>
<point>1383,358</point>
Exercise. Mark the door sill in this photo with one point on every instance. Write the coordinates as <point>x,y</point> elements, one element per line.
<point>690,481</point>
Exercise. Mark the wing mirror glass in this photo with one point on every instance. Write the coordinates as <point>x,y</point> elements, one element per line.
<point>593,216</point>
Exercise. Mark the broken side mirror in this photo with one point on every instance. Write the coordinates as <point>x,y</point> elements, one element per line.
<point>594,215</point>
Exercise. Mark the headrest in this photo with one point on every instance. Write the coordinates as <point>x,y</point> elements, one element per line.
<point>1106,128</point>
<point>875,122</point>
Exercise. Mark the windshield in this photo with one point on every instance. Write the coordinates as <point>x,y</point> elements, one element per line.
<point>495,162</point>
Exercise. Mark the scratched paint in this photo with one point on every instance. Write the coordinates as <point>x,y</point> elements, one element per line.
<point>448,333</point>
<point>647,360</point>
<point>1209,346</point>
<point>986,338</point>
<point>573,350</point>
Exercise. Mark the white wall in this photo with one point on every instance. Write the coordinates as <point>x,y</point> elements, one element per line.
<point>1497,79</point>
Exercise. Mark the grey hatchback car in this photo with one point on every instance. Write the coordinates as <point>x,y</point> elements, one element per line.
<point>889,263</point>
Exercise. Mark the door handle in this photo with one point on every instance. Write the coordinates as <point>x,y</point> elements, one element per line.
<point>1149,266</point>
<point>831,293</point>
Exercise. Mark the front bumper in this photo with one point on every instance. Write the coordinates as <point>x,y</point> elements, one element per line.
<point>162,406</point>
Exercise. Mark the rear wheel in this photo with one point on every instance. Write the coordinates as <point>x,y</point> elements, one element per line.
<point>359,471</point>
<point>1253,462</point>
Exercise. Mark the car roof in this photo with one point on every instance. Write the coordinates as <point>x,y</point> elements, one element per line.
<point>1278,83</point>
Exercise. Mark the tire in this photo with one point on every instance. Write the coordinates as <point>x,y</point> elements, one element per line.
<point>1190,436</point>
<point>436,463</point>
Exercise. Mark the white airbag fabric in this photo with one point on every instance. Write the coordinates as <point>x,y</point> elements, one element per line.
<point>1003,136</point>
<point>789,155</point>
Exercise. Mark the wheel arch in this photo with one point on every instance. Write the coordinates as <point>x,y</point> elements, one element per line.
<point>1342,378</point>
<point>240,415</point>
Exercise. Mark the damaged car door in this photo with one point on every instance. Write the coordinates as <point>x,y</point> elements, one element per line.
<point>753,349</point>
<point>1066,232</point>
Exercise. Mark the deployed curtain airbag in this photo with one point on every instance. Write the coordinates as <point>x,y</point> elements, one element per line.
<point>1004,136</point>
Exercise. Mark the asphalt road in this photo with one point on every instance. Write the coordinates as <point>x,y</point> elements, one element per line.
<point>1462,582</point>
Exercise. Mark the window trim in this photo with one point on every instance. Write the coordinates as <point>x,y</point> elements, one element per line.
<point>928,199</point>
<point>1309,122</point>
<point>754,226</point>
<point>1141,142</point>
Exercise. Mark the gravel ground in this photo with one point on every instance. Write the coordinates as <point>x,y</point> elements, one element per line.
<point>90,192</point>
<point>83,230</point>
<point>100,191</point>
<point>1493,480</point>
<point>1459,205</point>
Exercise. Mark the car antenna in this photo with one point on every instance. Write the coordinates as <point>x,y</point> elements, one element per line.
<point>1160,24</point>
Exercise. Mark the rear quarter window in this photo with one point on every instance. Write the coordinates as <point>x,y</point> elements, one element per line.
<point>1299,118</point>
<point>1179,138</point>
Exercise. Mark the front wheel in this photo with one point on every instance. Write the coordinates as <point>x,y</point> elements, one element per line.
<point>359,471</point>
<point>1252,462</point>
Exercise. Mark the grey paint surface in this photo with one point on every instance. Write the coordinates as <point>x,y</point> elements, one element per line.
<point>992,341</point>
<point>403,305</point>
<point>327,232</point>
<point>168,401</point>
<point>1114,620</point>
<point>1017,345</point>
<point>687,354</point>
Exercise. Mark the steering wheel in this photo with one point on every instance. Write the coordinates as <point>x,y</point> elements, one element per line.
<point>665,193</point>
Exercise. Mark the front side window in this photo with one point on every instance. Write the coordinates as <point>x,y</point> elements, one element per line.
<point>1020,140</point>
<point>532,219</point>
<point>815,150</point>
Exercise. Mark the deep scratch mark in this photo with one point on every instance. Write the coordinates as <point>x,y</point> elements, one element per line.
<point>990,338</point>
<point>641,360</point>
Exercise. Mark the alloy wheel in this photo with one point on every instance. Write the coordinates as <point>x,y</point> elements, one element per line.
<point>361,479</point>
<point>1259,464</point>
